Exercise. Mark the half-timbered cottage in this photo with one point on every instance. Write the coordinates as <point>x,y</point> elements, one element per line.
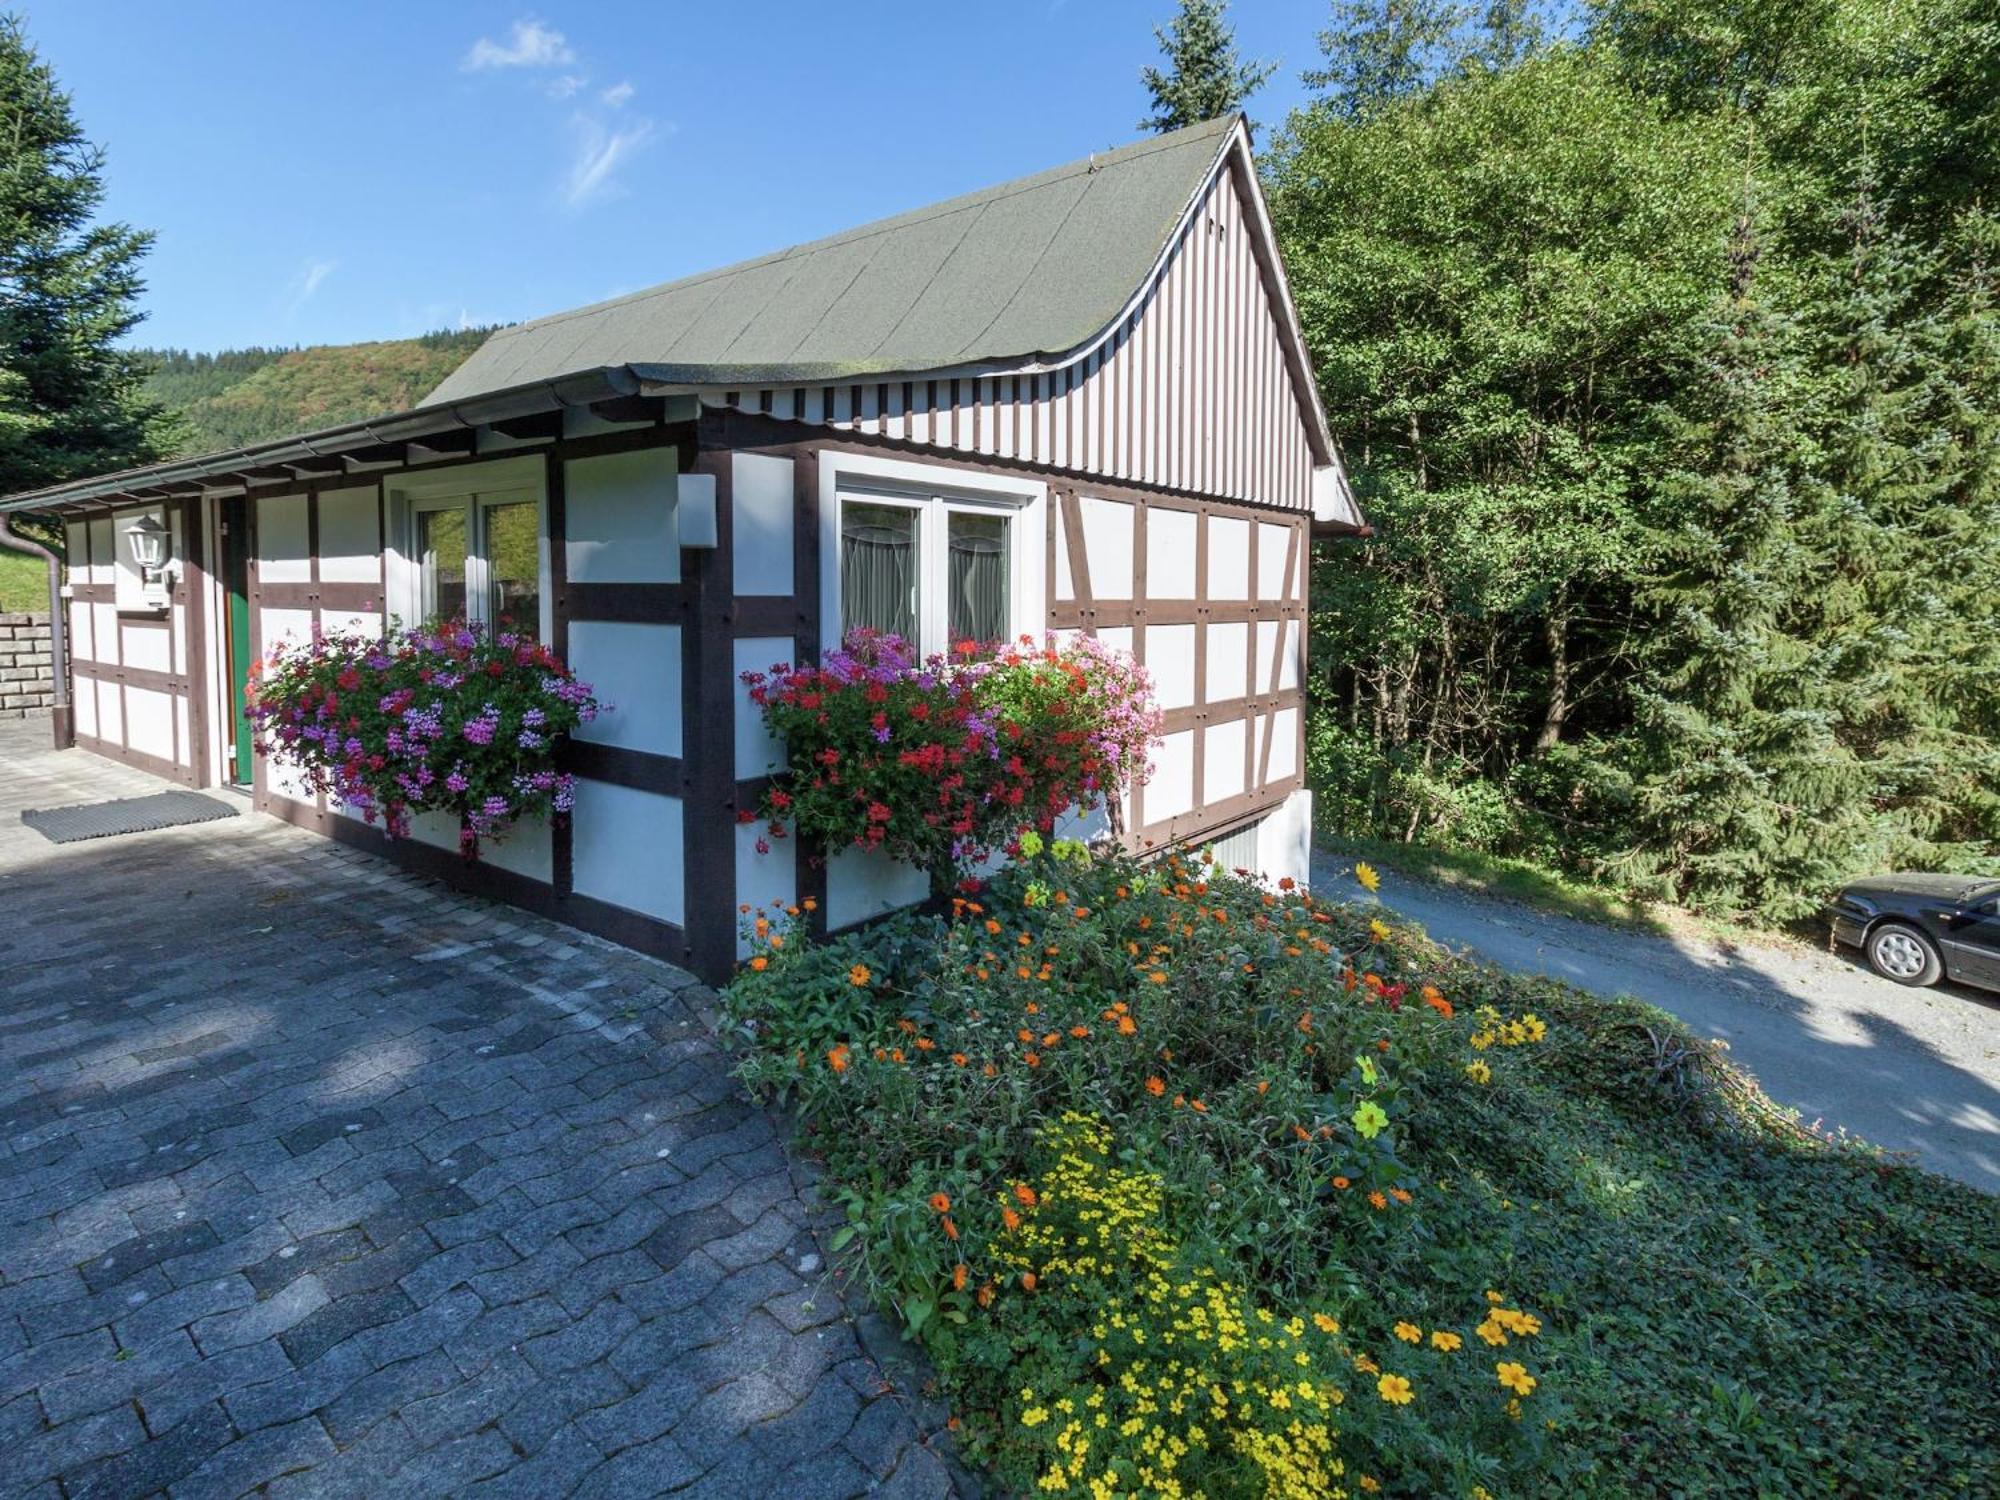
<point>1075,402</point>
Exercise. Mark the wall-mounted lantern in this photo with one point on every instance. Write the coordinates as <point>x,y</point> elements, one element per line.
<point>149,540</point>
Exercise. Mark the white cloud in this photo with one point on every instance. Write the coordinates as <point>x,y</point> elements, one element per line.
<point>618,95</point>
<point>309,280</point>
<point>529,44</point>
<point>565,87</point>
<point>600,153</point>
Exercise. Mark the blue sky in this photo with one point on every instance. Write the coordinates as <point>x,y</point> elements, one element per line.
<point>330,172</point>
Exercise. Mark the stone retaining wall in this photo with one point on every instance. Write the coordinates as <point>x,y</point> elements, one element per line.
<point>26,684</point>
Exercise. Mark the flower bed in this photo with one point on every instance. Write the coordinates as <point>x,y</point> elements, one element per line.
<point>452,719</point>
<point>1191,1187</point>
<point>939,762</point>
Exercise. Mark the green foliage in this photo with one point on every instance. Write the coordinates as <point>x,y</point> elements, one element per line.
<point>1662,357</point>
<point>244,396</point>
<point>1204,78</point>
<point>70,399</point>
<point>1699,1288</point>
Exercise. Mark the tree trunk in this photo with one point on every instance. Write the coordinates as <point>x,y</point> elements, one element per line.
<point>1557,709</point>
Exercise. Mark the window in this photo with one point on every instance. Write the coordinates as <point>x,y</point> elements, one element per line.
<point>935,570</point>
<point>479,556</point>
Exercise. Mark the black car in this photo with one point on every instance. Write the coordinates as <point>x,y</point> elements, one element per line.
<point>1918,929</point>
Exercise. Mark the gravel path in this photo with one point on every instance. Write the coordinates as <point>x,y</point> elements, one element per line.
<point>1912,1070</point>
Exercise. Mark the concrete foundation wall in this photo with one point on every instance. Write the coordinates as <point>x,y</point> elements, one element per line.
<point>27,684</point>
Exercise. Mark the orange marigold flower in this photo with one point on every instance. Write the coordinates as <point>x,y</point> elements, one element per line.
<point>1028,1281</point>
<point>1009,1219</point>
<point>1079,1031</point>
<point>837,1058</point>
<point>958,1059</point>
<point>1026,1195</point>
<point>1401,1195</point>
<point>1127,1026</point>
<point>1197,1106</point>
<point>958,1274</point>
<point>859,975</point>
<point>1263,1086</point>
<point>760,963</point>
<point>1032,1059</point>
<point>950,1229</point>
<point>924,1044</point>
<point>990,1071</point>
<point>985,1295</point>
<point>1158,976</point>
<point>1376,1199</point>
<point>1342,1183</point>
<point>809,904</point>
<point>940,1203</point>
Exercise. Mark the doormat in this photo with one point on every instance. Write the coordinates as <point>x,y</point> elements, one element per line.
<point>100,820</point>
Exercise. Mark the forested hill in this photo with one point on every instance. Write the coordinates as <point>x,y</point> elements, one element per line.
<point>243,396</point>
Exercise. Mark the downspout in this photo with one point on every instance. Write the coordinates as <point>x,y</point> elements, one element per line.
<point>65,729</point>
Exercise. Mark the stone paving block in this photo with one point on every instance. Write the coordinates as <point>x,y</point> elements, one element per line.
<point>158,1463</point>
<point>341,1320</point>
<point>431,1279</point>
<point>167,1402</point>
<point>357,1409</point>
<point>454,1466</point>
<point>58,1450</point>
<point>361,1472</point>
<point>257,1459</point>
<point>298,1257</point>
<point>639,1473</point>
<point>110,1381</point>
<point>131,1256</point>
<point>472,1403</point>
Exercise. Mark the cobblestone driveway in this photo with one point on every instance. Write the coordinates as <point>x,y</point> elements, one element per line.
<point>318,1180</point>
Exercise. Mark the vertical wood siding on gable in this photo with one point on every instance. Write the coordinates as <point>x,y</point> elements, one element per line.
<point>1190,392</point>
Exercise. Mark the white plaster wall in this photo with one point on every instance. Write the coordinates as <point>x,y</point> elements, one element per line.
<point>1170,660</point>
<point>104,631</point>
<point>185,738</point>
<point>1107,541</point>
<point>1117,638</point>
<point>864,883</point>
<point>149,722</point>
<point>80,636</point>
<point>1271,542</point>
<point>1228,558</point>
<point>1292,658</point>
<point>1171,790</point>
<point>1267,646</point>
<point>1228,660</point>
<point>527,849</point>
<point>83,705</point>
<point>627,849</point>
<point>758,751</point>
<point>622,514</point>
<point>102,568</point>
<point>762,879</point>
<point>1170,544</point>
<point>1065,587</point>
<point>762,506</point>
<point>286,625</point>
<point>1283,729</point>
<point>350,539</point>
<point>282,538</point>
<point>1222,763</point>
<point>110,713</point>
<point>1284,840</point>
<point>365,622</point>
<point>637,670</point>
<point>147,648</point>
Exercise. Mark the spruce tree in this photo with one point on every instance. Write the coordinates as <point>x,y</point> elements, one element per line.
<point>1743,795</point>
<point>71,402</point>
<point>1204,77</point>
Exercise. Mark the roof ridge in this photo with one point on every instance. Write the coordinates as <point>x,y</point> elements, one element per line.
<point>980,198</point>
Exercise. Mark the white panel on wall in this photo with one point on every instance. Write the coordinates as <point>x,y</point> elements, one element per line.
<point>146,647</point>
<point>1228,660</point>
<point>282,539</point>
<point>637,670</point>
<point>758,751</point>
<point>1170,543</point>
<point>1170,792</point>
<point>110,713</point>
<point>350,536</point>
<point>763,878</point>
<point>1284,731</point>
<point>761,507</point>
<point>1267,644</point>
<point>1222,763</point>
<point>103,564</point>
<point>1289,662</point>
<point>1107,540</point>
<point>1170,660</point>
<point>362,621</point>
<point>182,738</point>
<point>1284,840</point>
<point>149,722</point>
<point>864,883</point>
<point>1271,541</point>
<point>177,631</point>
<point>1116,638</point>
<point>621,513</point>
<point>79,632</point>
<point>286,625</point>
<point>627,849</point>
<point>83,705</point>
<point>526,850</point>
<point>104,631</point>
<point>1228,558</point>
<point>438,829</point>
<point>76,541</point>
<point>1059,519</point>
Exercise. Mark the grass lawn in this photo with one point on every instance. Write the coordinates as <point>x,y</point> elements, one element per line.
<point>1187,1187</point>
<point>24,583</point>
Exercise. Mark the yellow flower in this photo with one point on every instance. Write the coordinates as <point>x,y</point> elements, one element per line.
<point>1366,878</point>
<point>1491,1332</point>
<point>1325,1324</point>
<point>1377,931</point>
<point>1515,1377</point>
<point>1395,1390</point>
<point>1445,1341</point>
<point>858,975</point>
<point>1478,1072</point>
<point>1409,1333</point>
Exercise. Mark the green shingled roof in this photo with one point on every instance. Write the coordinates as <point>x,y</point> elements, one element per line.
<point>1025,270</point>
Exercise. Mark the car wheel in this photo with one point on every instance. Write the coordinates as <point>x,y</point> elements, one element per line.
<point>1904,954</point>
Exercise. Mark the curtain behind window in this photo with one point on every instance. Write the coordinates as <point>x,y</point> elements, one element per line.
<point>978,587</point>
<point>878,569</point>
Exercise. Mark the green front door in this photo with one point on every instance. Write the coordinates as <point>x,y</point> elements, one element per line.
<point>236,579</point>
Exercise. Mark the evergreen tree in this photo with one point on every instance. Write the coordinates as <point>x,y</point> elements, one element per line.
<point>1204,78</point>
<point>70,400</point>
<point>1743,795</point>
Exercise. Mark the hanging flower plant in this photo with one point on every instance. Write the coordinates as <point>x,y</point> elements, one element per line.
<point>452,719</point>
<point>942,761</point>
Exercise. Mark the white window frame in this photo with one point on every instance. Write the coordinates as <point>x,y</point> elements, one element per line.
<point>474,489</point>
<point>935,491</point>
